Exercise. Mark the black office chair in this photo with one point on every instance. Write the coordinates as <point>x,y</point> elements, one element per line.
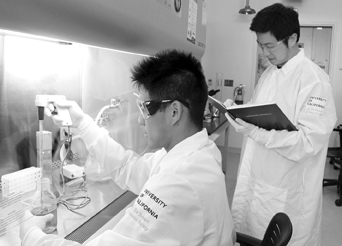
<point>335,155</point>
<point>278,233</point>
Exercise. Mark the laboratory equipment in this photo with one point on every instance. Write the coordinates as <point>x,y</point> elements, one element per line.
<point>20,182</point>
<point>44,138</point>
<point>73,171</point>
<point>45,202</point>
<point>44,156</point>
<point>45,199</point>
<point>74,177</point>
<point>43,101</point>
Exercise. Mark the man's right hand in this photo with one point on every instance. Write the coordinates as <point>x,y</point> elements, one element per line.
<point>228,103</point>
<point>28,221</point>
<point>76,113</point>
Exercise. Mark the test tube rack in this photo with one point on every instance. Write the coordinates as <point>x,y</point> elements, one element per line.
<point>20,182</point>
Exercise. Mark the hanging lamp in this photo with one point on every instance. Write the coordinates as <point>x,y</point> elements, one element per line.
<point>247,10</point>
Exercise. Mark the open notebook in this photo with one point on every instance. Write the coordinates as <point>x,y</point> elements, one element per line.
<point>266,115</point>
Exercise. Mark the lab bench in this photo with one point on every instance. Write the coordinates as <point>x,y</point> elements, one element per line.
<point>107,200</point>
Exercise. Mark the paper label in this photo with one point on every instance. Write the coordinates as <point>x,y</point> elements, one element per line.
<point>10,212</point>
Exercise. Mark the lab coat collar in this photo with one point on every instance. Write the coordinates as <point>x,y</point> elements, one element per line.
<point>292,63</point>
<point>188,146</point>
<point>191,143</point>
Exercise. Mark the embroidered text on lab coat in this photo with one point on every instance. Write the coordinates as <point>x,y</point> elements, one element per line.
<point>144,201</point>
<point>139,218</point>
<point>147,208</point>
<point>316,105</point>
<point>155,198</point>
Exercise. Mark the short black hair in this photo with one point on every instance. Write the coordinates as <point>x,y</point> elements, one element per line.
<point>175,75</point>
<point>281,21</point>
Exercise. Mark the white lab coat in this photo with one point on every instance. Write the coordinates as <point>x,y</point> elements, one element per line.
<point>182,196</point>
<point>282,171</point>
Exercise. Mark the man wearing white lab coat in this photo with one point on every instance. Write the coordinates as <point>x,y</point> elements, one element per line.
<point>181,189</point>
<point>282,171</point>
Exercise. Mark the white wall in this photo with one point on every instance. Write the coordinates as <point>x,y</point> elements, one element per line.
<point>231,47</point>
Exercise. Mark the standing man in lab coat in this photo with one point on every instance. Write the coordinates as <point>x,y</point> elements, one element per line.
<point>181,188</point>
<point>282,171</point>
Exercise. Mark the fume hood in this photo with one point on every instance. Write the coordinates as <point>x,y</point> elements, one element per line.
<point>129,25</point>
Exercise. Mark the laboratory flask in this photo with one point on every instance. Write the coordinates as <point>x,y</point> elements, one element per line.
<point>45,202</point>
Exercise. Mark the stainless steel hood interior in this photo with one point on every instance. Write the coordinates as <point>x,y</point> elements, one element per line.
<point>129,25</point>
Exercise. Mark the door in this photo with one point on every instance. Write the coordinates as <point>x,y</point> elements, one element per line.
<point>316,41</point>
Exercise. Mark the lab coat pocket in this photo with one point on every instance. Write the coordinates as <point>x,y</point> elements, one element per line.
<point>265,202</point>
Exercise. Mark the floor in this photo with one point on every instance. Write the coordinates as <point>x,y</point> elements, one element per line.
<point>332,215</point>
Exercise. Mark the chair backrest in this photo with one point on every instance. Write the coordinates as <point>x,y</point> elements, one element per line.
<point>279,231</point>
<point>338,128</point>
<point>335,153</point>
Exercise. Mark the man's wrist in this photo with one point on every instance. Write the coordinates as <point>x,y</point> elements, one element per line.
<point>33,231</point>
<point>260,135</point>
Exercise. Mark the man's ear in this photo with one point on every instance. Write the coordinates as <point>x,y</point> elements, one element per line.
<point>292,40</point>
<point>176,112</point>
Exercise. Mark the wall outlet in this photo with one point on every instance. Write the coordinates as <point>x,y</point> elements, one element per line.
<point>228,82</point>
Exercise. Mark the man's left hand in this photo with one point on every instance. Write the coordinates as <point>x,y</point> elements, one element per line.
<point>241,126</point>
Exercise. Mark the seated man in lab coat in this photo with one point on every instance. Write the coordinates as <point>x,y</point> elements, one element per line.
<point>182,196</point>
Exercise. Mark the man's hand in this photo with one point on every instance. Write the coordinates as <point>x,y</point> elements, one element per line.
<point>75,112</point>
<point>29,221</point>
<point>241,126</point>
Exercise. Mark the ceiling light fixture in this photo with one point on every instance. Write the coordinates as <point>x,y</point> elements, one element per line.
<point>247,10</point>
